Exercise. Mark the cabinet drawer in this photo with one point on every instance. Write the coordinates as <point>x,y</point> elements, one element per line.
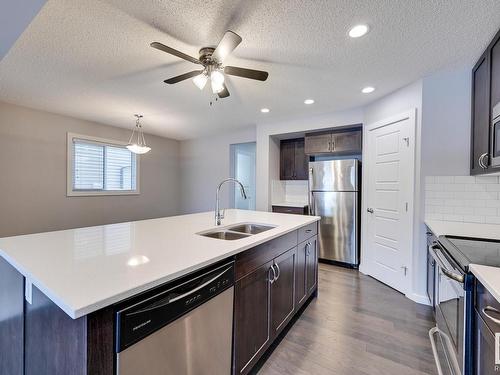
<point>251,259</point>
<point>307,232</point>
<point>290,210</point>
<point>488,308</point>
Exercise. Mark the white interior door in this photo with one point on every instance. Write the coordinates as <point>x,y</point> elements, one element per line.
<point>243,169</point>
<point>389,158</point>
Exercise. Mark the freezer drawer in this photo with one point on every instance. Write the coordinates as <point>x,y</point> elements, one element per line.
<point>338,228</point>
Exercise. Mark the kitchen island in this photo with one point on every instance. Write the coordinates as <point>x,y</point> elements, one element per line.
<point>61,288</point>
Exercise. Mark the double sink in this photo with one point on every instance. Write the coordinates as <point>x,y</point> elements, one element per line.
<point>237,231</point>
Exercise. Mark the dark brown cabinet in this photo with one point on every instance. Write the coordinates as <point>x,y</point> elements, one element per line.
<point>334,142</point>
<point>293,160</point>
<point>304,210</point>
<point>252,318</point>
<point>485,95</point>
<point>283,290</point>
<point>307,269</point>
<point>270,278</point>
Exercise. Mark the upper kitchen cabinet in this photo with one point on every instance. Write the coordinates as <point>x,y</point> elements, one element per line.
<point>293,160</point>
<point>334,142</point>
<point>485,95</point>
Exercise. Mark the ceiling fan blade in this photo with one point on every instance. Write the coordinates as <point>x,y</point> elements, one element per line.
<point>224,93</point>
<point>246,73</point>
<point>164,48</point>
<point>182,77</point>
<point>228,43</point>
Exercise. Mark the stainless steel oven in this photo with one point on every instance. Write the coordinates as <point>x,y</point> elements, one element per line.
<point>452,299</point>
<point>495,137</point>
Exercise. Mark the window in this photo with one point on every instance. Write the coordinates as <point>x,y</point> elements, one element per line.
<point>100,167</point>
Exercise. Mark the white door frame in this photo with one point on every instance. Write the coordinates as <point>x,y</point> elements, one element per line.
<point>408,115</point>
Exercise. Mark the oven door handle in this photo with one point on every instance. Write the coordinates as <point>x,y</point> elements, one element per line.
<point>452,275</point>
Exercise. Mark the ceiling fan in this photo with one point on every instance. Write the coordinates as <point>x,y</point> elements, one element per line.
<point>212,60</point>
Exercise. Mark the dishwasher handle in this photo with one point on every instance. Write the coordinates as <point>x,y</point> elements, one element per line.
<point>171,299</point>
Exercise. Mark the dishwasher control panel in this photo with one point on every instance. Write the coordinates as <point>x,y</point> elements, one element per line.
<point>140,316</point>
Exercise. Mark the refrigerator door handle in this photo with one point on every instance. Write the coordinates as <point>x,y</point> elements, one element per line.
<point>310,195</point>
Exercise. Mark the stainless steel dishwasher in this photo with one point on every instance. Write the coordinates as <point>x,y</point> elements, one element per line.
<point>184,327</point>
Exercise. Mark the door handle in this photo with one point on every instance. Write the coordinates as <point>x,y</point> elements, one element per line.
<point>370,210</point>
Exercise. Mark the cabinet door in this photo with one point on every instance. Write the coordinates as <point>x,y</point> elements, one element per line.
<point>301,274</point>
<point>480,114</point>
<point>347,142</point>
<point>301,160</point>
<point>287,160</point>
<point>317,144</point>
<point>312,265</point>
<point>283,290</point>
<point>484,347</point>
<point>252,302</point>
<point>494,99</point>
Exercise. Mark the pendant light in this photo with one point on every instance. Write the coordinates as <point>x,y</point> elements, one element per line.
<point>139,145</point>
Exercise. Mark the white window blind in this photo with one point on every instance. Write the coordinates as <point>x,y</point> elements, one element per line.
<point>102,167</point>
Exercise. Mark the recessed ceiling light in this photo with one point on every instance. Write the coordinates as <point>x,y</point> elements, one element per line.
<point>265,110</point>
<point>358,31</point>
<point>368,89</point>
<point>309,101</point>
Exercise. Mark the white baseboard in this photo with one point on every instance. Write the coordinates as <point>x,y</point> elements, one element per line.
<point>419,298</point>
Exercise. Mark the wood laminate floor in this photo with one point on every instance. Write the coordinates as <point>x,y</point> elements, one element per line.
<point>357,325</point>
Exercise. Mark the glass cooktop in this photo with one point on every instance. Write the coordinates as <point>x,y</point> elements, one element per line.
<point>472,250</point>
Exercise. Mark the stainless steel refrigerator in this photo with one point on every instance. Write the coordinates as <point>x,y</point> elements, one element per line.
<point>334,195</point>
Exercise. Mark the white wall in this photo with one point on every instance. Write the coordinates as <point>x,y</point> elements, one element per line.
<point>33,175</point>
<point>204,163</point>
<point>268,147</point>
<point>400,101</point>
<point>446,123</point>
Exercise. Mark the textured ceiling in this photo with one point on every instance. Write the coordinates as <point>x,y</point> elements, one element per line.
<point>91,59</point>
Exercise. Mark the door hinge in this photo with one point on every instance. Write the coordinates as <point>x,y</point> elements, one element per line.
<point>406,206</point>
<point>405,269</point>
<point>407,140</point>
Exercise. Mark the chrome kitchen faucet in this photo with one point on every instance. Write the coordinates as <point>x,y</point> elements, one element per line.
<point>218,215</point>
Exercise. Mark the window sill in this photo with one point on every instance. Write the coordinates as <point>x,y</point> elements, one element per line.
<point>100,193</point>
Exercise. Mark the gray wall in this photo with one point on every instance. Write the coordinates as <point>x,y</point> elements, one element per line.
<point>33,176</point>
<point>204,162</point>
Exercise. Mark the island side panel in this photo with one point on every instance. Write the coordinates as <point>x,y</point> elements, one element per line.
<point>100,342</point>
<point>55,344</point>
<point>11,320</point>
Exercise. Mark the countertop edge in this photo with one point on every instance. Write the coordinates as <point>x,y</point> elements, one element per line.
<point>80,311</point>
<point>493,286</point>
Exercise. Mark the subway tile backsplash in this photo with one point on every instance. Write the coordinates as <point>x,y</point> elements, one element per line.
<point>463,198</point>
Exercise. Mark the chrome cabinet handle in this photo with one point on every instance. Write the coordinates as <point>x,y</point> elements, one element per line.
<point>273,279</point>
<point>308,249</point>
<point>481,161</point>
<point>370,210</point>
<point>333,146</point>
<point>279,271</point>
<point>492,309</point>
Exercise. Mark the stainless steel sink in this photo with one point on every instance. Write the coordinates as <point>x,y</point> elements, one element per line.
<point>250,228</point>
<point>225,235</point>
<point>236,231</point>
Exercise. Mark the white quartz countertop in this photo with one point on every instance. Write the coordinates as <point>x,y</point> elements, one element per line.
<point>291,204</point>
<point>451,228</point>
<point>83,270</point>
<point>489,277</point>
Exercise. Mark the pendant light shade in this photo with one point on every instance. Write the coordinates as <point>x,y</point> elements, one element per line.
<point>137,143</point>
<point>200,81</point>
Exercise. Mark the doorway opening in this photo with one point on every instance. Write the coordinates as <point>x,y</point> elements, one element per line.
<point>242,168</point>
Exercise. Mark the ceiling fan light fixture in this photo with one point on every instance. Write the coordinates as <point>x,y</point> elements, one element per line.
<point>200,81</point>
<point>138,145</point>
<point>217,80</point>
